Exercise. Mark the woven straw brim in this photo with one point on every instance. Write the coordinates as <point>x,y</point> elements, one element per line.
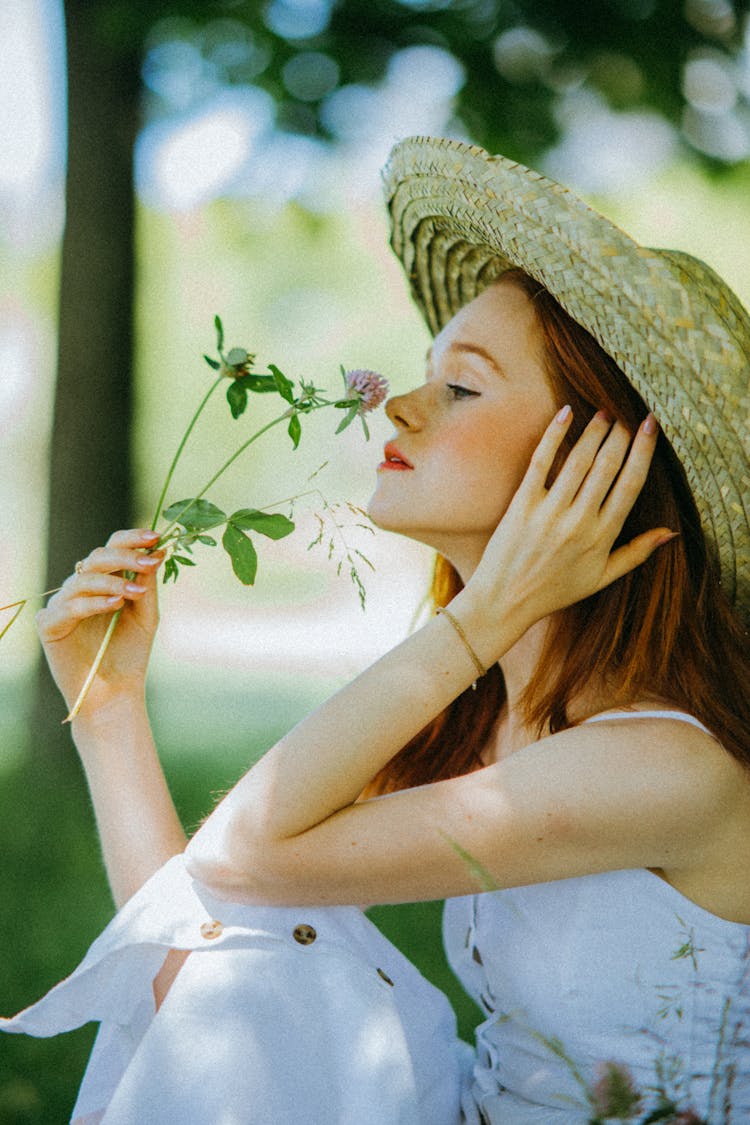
<point>461,218</point>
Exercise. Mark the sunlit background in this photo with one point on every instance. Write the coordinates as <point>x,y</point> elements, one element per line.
<point>284,235</point>
<point>247,212</point>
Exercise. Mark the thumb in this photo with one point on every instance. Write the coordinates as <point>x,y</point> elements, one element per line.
<point>146,609</point>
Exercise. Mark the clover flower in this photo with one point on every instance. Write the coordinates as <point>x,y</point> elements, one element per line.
<point>370,388</point>
<point>615,1093</point>
<point>237,363</point>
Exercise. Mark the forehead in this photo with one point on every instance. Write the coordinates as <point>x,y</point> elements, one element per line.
<point>500,320</point>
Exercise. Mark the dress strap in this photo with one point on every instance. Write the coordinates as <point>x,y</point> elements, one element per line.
<point>680,716</point>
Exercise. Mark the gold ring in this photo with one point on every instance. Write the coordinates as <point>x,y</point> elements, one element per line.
<point>79,567</point>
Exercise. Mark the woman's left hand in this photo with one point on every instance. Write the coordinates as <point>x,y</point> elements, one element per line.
<point>553,546</point>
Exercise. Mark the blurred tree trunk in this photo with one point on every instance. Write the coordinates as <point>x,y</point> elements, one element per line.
<point>90,462</point>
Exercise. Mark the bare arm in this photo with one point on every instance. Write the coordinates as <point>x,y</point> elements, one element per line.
<point>137,822</point>
<point>593,798</point>
<point>138,825</point>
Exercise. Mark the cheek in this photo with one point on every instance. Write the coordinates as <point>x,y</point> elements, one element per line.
<point>496,451</point>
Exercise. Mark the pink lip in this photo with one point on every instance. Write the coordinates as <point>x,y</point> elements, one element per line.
<point>394,460</point>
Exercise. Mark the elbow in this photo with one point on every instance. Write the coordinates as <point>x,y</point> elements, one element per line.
<point>233,867</point>
<point>213,856</point>
<point>212,871</point>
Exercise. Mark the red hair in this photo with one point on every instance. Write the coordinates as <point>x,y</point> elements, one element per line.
<point>665,631</point>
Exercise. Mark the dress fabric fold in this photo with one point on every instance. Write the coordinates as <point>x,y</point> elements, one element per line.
<point>279,1014</point>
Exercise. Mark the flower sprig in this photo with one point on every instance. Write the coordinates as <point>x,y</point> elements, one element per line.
<point>189,521</point>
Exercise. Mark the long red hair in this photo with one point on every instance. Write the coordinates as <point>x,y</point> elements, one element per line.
<point>664,631</point>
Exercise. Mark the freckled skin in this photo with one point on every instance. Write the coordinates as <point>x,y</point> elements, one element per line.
<point>469,447</point>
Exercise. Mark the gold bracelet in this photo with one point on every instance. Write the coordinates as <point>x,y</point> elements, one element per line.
<point>465,640</point>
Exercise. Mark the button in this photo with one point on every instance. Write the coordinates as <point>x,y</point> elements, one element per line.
<point>304,934</point>
<point>385,977</point>
<point>211,930</point>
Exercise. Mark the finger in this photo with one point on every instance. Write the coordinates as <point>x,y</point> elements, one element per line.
<point>608,462</point>
<point>90,584</point>
<point>632,478</point>
<point>110,559</point>
<point>580,459</point>
<point>634,553</point>
<point>54,623</point>
<point>543,456</point>
<point>137,537</point>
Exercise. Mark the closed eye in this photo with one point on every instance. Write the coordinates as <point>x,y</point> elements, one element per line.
<point>457,391</point>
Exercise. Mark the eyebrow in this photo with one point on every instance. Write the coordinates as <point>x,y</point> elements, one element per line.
<point>472,349</point>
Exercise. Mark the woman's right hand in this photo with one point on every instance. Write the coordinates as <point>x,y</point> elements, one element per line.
<point>74,621</point>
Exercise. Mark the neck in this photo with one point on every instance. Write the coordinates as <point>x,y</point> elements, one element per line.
<point>518,666</point>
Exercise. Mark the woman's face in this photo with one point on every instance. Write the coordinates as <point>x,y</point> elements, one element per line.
<point>464,438</point>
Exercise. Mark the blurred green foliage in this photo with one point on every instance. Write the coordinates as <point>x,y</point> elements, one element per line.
<point>518,59</point>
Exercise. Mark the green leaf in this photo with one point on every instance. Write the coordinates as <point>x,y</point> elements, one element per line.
<point>272,524</point>
<point>237,397</point>
<point>194,515</point>
<point>284,386</point>
<point>212,362</point>
<point>237,356</point>
<point>486,881</point>
<point>219,332</point>
<point>171,570</point>
<point>349,418</point>
<point>242,553</point>
<point>183,560</point>
<point>261,384</point>
<point>294,429</point>
<point>207,540</point>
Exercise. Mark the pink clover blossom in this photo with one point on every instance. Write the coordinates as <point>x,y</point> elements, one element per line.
<point>368,386</point>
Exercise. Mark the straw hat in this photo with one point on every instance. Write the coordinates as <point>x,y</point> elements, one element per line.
<point>461,218</point>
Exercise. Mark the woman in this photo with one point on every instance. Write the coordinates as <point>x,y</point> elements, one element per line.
<point>570,729</point>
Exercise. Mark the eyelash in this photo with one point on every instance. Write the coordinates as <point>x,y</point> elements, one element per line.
<point>459,392</point>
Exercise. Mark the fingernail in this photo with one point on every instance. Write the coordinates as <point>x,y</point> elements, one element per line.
<point>563,415</point>
<point>114,600</point>
<point>603,416</point>
<point>650,425</point>
<point>149,561</point>
<point>667,538</point>
<point>149,536</point>
<point>133,589</point>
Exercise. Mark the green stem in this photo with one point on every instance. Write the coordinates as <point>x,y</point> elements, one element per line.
<point>180,448</point>
<point>20,605</point>
<point>259,433</point>
<point>94,668</point>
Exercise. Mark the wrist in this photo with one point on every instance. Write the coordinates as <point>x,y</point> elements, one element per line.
<point>106,712</point>
<point>490,630</point>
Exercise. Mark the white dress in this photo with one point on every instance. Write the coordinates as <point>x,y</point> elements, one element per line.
<point>285,1015</point>
<point>617,967</point>
<point>279,1015</point>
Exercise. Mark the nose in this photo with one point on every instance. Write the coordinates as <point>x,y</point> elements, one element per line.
<point>405,411</point>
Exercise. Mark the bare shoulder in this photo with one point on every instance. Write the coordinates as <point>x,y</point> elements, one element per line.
<point>684,758</point>
<point>666,741</point>
<point>657,766</point>
<point>662,781</point>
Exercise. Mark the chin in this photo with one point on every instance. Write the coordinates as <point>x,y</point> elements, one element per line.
<point>390,516</point>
